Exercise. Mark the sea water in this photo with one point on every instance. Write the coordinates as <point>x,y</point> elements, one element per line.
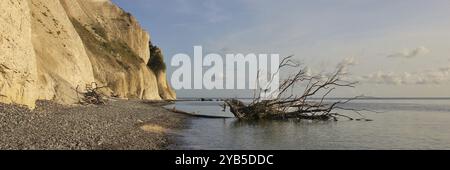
<point>397,124</point>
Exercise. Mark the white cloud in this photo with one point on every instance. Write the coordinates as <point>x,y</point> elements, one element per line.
<point>410,53</point>
<point>349,61</point>
<point>309,72</point>
<point>381,77</point>
<point>428,77</point>
<point>346,63</point>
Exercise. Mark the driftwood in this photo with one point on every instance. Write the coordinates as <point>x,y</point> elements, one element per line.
<point>91,95</point>
<point>310,104</point>
<point>174,110</point>
<point>159,103</point>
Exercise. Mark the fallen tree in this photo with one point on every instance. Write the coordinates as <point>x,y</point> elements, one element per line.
<point>91,95</point>
<point>311,104</point>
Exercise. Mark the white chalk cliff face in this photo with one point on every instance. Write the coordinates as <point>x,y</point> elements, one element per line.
<point>49,47</point>
<point>18,72</point>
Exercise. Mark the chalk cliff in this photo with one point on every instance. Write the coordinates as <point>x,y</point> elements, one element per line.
<point>49,47</point>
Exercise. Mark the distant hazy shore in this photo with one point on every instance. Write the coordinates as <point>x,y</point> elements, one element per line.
<point>117,125</point>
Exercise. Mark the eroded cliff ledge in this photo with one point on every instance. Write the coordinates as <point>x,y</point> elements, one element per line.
<point>49,47</point>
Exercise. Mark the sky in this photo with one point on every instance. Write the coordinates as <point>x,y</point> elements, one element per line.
<point>394,48</point>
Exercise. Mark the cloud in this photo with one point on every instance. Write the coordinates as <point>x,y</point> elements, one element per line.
<point>427,77</point>
<point>346,63</point>
<point>309,72</point>
<point>349,61</point>
<point>389,78</point>
<point>410,53</point>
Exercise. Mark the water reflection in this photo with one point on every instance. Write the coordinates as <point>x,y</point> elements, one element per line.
<point>403,125</point>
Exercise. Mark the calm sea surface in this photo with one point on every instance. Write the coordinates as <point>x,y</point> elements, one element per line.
<point>400,124</point>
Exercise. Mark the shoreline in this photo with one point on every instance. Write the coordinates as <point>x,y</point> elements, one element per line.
<point>118,125</point>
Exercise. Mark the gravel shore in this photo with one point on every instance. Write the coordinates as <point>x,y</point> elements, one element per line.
<point>118,125</point>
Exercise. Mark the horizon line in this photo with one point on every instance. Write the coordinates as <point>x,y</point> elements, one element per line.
<point>333,98</point>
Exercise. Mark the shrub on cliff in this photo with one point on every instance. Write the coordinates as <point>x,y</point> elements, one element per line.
<point>156,61</point>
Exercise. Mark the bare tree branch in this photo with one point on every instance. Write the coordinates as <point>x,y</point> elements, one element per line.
<point>289,105</point>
